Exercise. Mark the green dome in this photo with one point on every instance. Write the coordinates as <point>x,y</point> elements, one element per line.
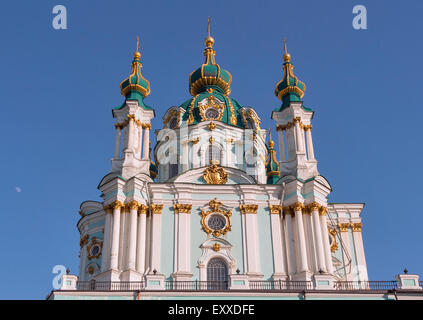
<point>226,108</point>
<point>209,75</point>
<point>135,86</point>
<point>289,88</point>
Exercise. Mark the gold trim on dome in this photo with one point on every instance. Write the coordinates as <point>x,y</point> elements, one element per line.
<point>94,241</point>
<point>275,209</point>
<point>231,108</point>
<point>215,209</point>
<point>248,208</point>
<point>334,245</point>
<point>191,108</point>
<point>215,174</point>
<point>182,208</point>
<point>156,208</point>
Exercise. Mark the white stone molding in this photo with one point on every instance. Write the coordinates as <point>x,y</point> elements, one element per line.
<point>278,245</point>
<point>208,253</point>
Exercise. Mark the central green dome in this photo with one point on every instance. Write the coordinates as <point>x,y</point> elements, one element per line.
<point>209,75</point>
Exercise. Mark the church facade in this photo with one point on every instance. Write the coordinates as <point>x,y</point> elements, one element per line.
<point>219,212</point>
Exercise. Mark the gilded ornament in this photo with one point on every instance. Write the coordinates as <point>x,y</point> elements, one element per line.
<point>94,241</point>
<point>297,206</point>
<point>143,209</point>
<point>84,240</point>
<point>314,206</point>
<point>156,208</point>
<point>211,103</point>
<point>334,245</point>
<point>182,208</point>
<point>343,227</point>
<point>90,269</point>
<point>211,140</point>
<point>195,141</point>
<point>356,227</point>
<point>275,209</point>
<point>248,208</point>
<point>215,209</point>
<point>133,205</point>
<point>117,204</point>
<point>323,211</point>
<point>216,247</point>
<point>211,126</point>
<point>215,174</point>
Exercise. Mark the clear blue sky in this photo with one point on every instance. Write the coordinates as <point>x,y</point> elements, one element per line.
<point>58,87</point>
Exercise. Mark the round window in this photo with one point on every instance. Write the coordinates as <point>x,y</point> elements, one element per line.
<point>216,222</point>
<point>212,113</point>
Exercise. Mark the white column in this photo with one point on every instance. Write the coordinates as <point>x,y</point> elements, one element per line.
<point>278,242</point>
<point>281,143</point>
<point>290,248</point>
<point>299,226</point>
<point>105,256</point>
<point>310,148</point>
<point>117,142</point>
<point>290,143</point>
<point>252,242</point>
<point>114,252</point>
<point>141,238</point>
<point>321,265</point>
<point>156,226</point>
<point>346,248</point>
<point>300,144</point>
<point>183,253</point>
<point>184,158</point>
<point>139,147</point>
<point>132,237</point>
<point>359,252</point>
<point>325,239</point>
<point>131,133</point>
<point>146,143</point>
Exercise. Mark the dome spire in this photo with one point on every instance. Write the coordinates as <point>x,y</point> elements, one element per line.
<point>209,75</point>
<point>135,84</point>
<point>289,88</point>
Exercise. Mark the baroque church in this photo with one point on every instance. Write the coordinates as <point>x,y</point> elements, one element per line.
<point>219,210</point>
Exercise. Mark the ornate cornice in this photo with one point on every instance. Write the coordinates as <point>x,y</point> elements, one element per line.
<point>182,208</point>
<point>281,127</point>
<point>156,208</point>
<point>248,208</point>
<point>275,209</point>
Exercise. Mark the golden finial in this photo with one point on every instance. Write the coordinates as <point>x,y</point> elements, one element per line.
<point>209,40</point>
<point>286,56</point>
<point>137,53</point>
<point>271,143</point>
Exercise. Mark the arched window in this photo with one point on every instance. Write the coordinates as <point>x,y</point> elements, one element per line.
<point>217,274</point>
<point>212,153</point>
